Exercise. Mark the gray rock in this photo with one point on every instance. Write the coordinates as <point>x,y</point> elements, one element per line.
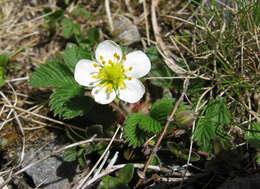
<point>125,31</point>
<point>53,173</point>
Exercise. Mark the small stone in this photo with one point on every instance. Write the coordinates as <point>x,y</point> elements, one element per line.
<point>125,31</point>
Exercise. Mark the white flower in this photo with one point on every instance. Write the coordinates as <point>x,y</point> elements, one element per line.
<point>113,74</point>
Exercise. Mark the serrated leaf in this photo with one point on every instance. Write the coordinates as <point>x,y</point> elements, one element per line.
<point>134,135</point>
<point>204,133</point>
<point>218,113</point>
<point>69,101</point>
<point>138,126</point>
<point>67,28</point>
<point>73,54</point>
<point>127,173</point>
<point>112,183</point>
<point>161,109</point>
<point>149,124</point>
<point>70,154</point>
<point>52,74</point>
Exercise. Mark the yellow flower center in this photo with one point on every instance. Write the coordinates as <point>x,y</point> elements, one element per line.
<point>112,74</point>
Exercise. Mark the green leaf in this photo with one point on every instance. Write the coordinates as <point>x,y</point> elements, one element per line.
<point>204,133</point>
<point>2,76</point>
<point>160,71</point>
<point>76,29</point>
<point>67,28</point>
<point>73,54</point>
<point>69,101</point>
<point>218,113</point>
<point>66,2</point>
<point>52,74</point>
<point>93,35</point>
<point>127,173</point>
<point>81,11</point>
<point>70,154</point>
<point>138,127</point>
<point>112,183</point>
<point>56,15</point>
<point>254,135</point>
<point>149,124</point>
<point>257,12</point>
<point>161,109</point>
<point>153,54</point>
<point>4,58</point>
<point>134,135</point>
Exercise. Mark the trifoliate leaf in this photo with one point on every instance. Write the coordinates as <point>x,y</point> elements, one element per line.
<point>52,74</point>
<point>69,101</point>
<point>127,173</point>
<point>161,109</point>
<point>73,54</point>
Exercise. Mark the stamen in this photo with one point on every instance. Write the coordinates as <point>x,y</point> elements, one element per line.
<point>95,65</point>
<point>101,57</point>
<point>94,76</point>
<point>104,62</point>
<point>129,78</point>
<point>122,88</point>
<point>124,58</point>
<point>99,85</point>
<point>130,68</point>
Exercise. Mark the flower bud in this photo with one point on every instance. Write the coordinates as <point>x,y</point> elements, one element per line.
<point>185,117</point>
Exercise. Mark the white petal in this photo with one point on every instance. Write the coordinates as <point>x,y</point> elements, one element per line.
<point>101,96</point>
<point>84,71</point>
<point>139,62</point>
<point>133,91</point>
<point>107,49</point>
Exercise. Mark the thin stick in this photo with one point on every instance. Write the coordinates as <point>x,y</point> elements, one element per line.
<point>47,118</point>
<point>193,129</point>
<point>169,61</point>
<point>110,21</point>
<point>170,119</point>
<point>94,167</point>
<point>146,23</point>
